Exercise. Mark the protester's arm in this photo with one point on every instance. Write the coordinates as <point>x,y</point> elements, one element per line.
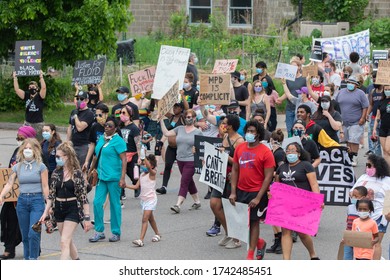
<point>165,131</point>
<point>377,119</point>
<point>336,125</point>
<point>233,182</point>
<point>311,177</point>
<point>69,133</point>
<point>43,85</point>
<point>91,149</point>
<point>8,186</point>
<point>313,94</point>
<point>80,125</point>
<point>100,90</point>
<point>18,91</point>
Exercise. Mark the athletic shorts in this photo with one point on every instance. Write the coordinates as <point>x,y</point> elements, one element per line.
<point>226,192</point>
<point>257,212</point>
<point>384,132</point>
<point>149,205</point>
<point>353,133</point>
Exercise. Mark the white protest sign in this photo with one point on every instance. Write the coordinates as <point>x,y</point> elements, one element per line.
<point>222,66</point>
<point>237,220</point>
<point>214,170</point>
<point>286,71</point>
<point>171,66</point>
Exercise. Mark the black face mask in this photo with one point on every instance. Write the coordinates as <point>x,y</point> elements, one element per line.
<point>33,91</point>
<point>233,113</point>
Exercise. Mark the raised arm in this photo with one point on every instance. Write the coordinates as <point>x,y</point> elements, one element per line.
<point>313,94</point>
<point>165,131</point>
<point>42,93</point>
<point>99,86</point>
<point>18,91</point>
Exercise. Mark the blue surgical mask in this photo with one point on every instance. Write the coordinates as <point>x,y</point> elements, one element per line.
<point>291,158</point>
<point>242,77</point>
<point>315,81</point>
<point>60,161</point>
<point>298,132</point>
<point>186,85</point>
<point>46,135</point>
<point>144,169</point>
<point>354,200</point>
<point>196,60</point>
<point>363,215</point>
<point>259,70</point>
<point>121,97</point>
<point>350,87</point>
<point>328,70</point>
<point>198,87</point>
<point>325,105</point>
<point>258,89</point>
<point>387,93</point>
<point>250,138</point>
<point>265,84</point>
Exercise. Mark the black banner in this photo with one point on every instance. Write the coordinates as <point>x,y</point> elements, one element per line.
<point>316,54</point>
<point>199,148</point>
<point>378,55</point>
<point>28,58</point>
<point>88,71</point>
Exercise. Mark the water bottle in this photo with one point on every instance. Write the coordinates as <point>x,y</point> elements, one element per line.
<point>136,172</point>
<point>142,152</point>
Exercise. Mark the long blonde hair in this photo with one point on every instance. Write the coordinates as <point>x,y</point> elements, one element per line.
<point>35,147</point>
<point>72,163</point>
<point>253,93</point>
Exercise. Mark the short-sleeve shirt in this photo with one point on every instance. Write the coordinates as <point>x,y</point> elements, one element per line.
<point>128,133</point>
<point>367,225</point>
<point>241,93</point>
<point>298,102</point>
<point>184,142</point>
<point>311,147</point>
<point>116,110</point>
<point>334,79</point>
<point>240,129</point>
<point>191,96</point>
<point>293,86</point>
<point>279,156</point>
<point>34,107</point>
<point>80,138</point>
<point>49,158</point>
<point>192,69</point>
<point>325,124</point>
<point>110,163</point>
<point>296,176</point>
<point>97,130</point>
<point>252,161</point>
<point>351,105</point>
<point>29,176</point>
<point>384,109</point>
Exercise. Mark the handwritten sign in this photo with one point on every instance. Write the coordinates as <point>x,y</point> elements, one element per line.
<point>316,54</point>
<point>142,81</point>
<point>222,66</point>
<point>88,71</point>
<point>286,71</point>
<point>199,147</point>
<point>4,176</point>
<point>378,55</point>
<point>214,170</point>
<point>215,89</point>
<point>383,74</point>
<point>165,104</point>
<point>28,58</point>
<point>311,70</point>
<point>295,209</point>
<point>357,239</point>
<point>171,66</point>
<point>237,220</point>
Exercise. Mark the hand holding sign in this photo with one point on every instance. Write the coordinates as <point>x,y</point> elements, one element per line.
<point>286,71</point>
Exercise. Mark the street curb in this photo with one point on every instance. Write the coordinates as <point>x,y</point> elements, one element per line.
<point>15,126</point>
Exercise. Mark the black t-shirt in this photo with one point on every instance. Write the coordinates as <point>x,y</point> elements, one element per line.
<point>313,131</point>
<point>325,124</point>
<point>293,86</point>
<point>192,69</point>
<point>311,147</point>
<point>295,175</point>
<point>384,109</point>
<point>34,107</point>
<point>191,96</point>
<point>241,93</point>
<point>116,110</point>
<point>128,133</point>
<point>82,137</point>
<point>336,105</point>
<point>280,156</point>
<point>96,131</point>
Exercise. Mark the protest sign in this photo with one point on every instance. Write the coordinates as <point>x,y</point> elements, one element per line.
<point>383,73</point>
<point>88,71</point>
<point>286,71</point>
<point>4,176</point>
<point>171,66</point>
<point>311,70</point>
<point>222,66</point>
<point>142,81</point>
<point>386,203</point>
<point>28,58</point>
<point>215,89</point>
<point>199,147</point>
<point>165,104</point>
<point>316,53</point>
<point>378,55</point>
<point>335,175</point>
<point>295,209</point>
<point>237,220</point>
<point>358,239</point>
<point>214,170</point>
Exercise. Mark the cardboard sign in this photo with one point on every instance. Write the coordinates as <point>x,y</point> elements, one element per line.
<point>222,66</point>
<point>357,239</point>
<point>199,147</point>
<point>295,209</point>
<point>383,74</point>
<point>286,71</point>
<point>28,58</point>
<point>237,220</point>
<point>310,70</point>
<point>142,81</point>
<point>378,55</point>
<point>166,103</point>
<point>171,66</point>
<point>88,71</point>
<point>214,169</point>
<point>316,53</point>
<point>386,203</point>
<point>4,176</point>
<point>335,175</point>
<point>215,89</point>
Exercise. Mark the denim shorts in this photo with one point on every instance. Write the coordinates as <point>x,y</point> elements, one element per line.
<point>381,227</point>
<point>66,211</point>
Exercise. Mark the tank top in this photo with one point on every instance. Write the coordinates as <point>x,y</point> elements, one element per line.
<point>261,105</point>
<point>148,188</point>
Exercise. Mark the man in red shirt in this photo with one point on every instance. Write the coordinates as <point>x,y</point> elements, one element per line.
<point>252,173</point>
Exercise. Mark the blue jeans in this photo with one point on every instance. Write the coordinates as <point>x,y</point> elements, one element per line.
<point>348,252</point>
<point>374,147</point>
<point>290,118</point>
<point>29,209</point>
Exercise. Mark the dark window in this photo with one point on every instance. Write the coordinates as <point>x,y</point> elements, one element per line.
<point>240,12</point>
<point>199,11</point>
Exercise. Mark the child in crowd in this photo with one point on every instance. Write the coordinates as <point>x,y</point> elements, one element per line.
<point>358,193</point>
<point>365,224</point>
<point>148,196</point>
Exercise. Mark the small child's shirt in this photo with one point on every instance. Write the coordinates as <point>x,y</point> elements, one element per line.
<point>367,225</point>
<point>148,188</point>
<point>351,215</point>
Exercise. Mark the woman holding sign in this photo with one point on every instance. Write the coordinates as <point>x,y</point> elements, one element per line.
<point>299,173</point>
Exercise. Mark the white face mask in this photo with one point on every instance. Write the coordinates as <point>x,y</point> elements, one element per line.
<point>28,153</point>
<point>364,215</point>
<point>19,143</point>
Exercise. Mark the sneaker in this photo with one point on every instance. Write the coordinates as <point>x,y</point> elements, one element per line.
<point>214,231</point>
<point>162,190</point>
<point>208,195</point>
<point>261,251</point>
<point>98,236</point>
<point>195,206</point>
<point>175,209</point>
<point>114,238</point>
<point>233,244</point>
<point>122,205</point>
<point>123,197</point>
<point>294,235</point>
<point>225,240</point>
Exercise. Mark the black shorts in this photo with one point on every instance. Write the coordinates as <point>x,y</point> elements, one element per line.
<point>257,212</point>
<point>226,192</point>
<point>384,132</point>
<point>66,211</point>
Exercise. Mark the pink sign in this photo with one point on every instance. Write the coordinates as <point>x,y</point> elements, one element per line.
<point>223,66</point>
<point>142,81</point>
<point>294,209</point>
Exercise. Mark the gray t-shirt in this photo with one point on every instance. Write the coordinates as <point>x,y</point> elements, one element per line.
<point>29,176</point>
<point>292,87</point>
<point>351,105</point>
<point>298,102</point>
<point>185,141</point>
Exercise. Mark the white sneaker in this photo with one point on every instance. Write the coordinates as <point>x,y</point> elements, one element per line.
<point>225,240</point>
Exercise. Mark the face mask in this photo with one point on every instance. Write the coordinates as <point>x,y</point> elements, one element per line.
<point>327,93</point>
<point>315,81</point>
<point>46,135</point>
<point>259,70</point>
<point>233,113</point>
<point>258,89</point>
<point>33,91</point>
<point>101,120</point>
<point>346,75</point>
<point>363,215</point>
<point>138,96</point>
<point>19,143</point>
<point>264,84</point>
<point>81,104</point>
<point>325,105</point>
<point>250,138</point>
<point>60,161</point>
<point>328,70</point>
<point>371,171</point>
<point>186,85</point>
<point>242,77</point>
<point>354,200</point>
<point>196,60</point>
<point>143,169</point>
<point>124,118</point>
<point>189,121</point>
<point>387,93</point>
<point>121,97</point>
<point>198,87</point>
<point>350,87</point>
<point>28,153</point>
<point>298,132</point>
<point>291,158</point>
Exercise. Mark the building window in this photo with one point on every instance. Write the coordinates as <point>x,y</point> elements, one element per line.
<point>240,12</point>
<point>199,11</point>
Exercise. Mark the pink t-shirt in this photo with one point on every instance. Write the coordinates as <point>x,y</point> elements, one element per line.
<point>272,98</point>
<point>148,188</point>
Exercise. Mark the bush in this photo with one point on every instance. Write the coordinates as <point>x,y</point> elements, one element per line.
<point>379,30</point>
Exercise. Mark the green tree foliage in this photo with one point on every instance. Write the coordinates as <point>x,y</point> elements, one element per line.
<point>70,30</point>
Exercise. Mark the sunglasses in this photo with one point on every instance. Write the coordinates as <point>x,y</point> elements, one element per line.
<point>368,165</point>
<point>80,98</point>
<point>109,125</point>
<point>20,139</point>
<point>98,115</point>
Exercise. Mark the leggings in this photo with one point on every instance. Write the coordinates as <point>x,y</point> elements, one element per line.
<point>170,157</point>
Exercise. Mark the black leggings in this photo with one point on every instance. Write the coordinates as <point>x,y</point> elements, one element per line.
<point>170,157</point>
<point>130,171</point>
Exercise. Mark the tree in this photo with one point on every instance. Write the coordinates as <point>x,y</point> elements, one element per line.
<point>70,30</point>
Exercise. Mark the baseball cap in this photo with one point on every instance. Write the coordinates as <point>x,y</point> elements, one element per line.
<point>303,90</point>
<point>82,94</point>
<point>233,104</point>
<point>236,74</point>
<point>123,90</point>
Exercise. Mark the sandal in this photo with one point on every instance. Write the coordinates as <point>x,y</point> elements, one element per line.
<point>138,242</point>
<point>156,238</point>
